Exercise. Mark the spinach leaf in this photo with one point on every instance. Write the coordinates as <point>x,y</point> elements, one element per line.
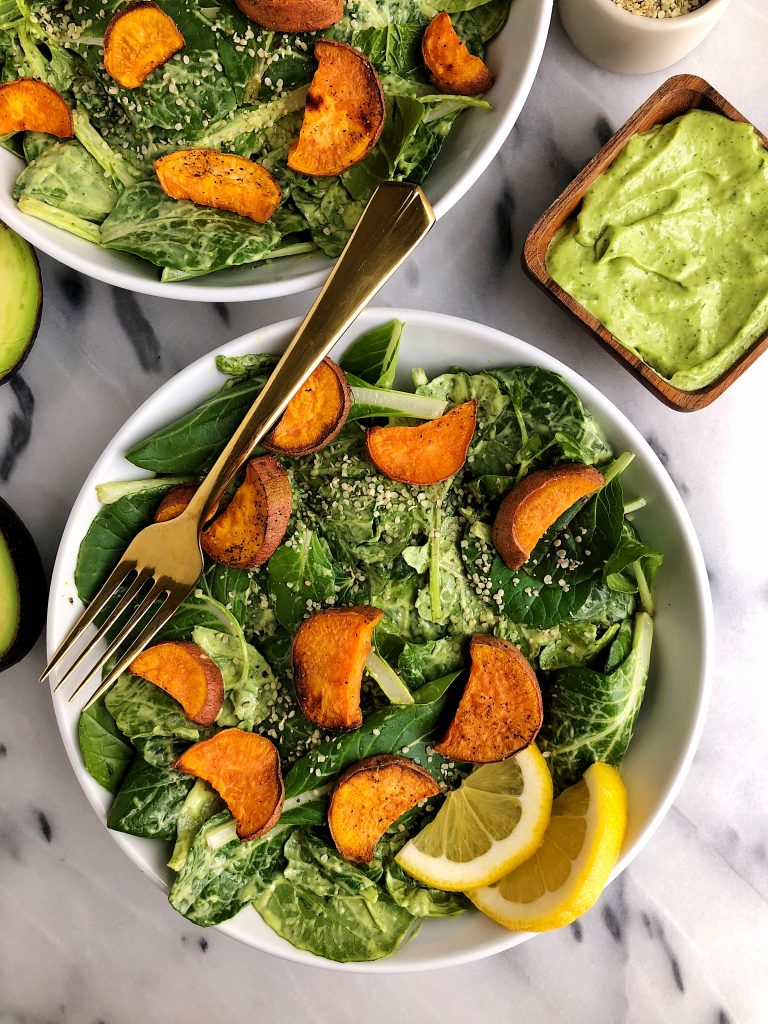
<point>373,356</point>
<point>106,752</point>
<point>316,865</point>
<point>544,404</point>
<point>620,647</point>
<point>201,803</point>
<point>142,709</point>
<point>241,592</point>
<point>394,48</point>
<point>330,907</point>
<point>200,609</point>
<point>392,728</point>
<point>213,885</point>
<point>529,417</point>
<point>576,644</point>
<point>113,528</point>
<point>301,576</point>
<point>630,551</point>
<point>562,578</point>
<point>252,364</point>
<point>192,443</point>
<point>160,751</point>
<point>149,801</point>
<point>181,236</point>
<point>422,900</point>
<point>250,687</point>
<point>65,175</point>
<point>421,663</point>
<point>589,716</point>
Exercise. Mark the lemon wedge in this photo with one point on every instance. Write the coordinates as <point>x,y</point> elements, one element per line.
<point>570,869</point>
<point>494,821</point>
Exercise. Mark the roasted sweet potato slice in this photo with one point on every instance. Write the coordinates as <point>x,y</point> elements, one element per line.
<point>244,769</point>
<point>500,710</point>
<point>293,15</point>
<point>426,454</point>
<point>174,502</point>
<point>369,796</point>
<point>251,527</point>
<point>315,415</point>
<point>329,652</point>
<point>453,68</point>
<point>28,105</point>
<point>530,508</point>
<point>223,181</point>
<point>139,38</point>
<point>184,671</point>
<point>344,113</point>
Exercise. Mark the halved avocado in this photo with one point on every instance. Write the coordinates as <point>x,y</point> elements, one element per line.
<point>21,300</point>
<point>22,589</point>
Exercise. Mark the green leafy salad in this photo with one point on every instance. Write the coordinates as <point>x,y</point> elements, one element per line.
<point>423,556</point>
<point>234,87</point>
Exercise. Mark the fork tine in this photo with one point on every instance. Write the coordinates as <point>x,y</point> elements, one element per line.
<point>118,576</point>
<point>157,621</point>
<point>128,627</point>
<point>114,616</point>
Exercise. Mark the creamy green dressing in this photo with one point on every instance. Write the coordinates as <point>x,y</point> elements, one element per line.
<point>670,247</point>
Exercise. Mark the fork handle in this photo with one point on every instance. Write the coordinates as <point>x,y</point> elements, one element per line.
<point>393,223</point>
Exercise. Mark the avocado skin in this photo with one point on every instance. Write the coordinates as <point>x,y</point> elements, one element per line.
<point>32,585</point>
<point>9,371</point>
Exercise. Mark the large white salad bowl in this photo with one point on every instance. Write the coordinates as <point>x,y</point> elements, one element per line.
<point>672,715</point>
<point>514,57</point>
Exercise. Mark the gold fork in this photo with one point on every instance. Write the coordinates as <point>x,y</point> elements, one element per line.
<point>163,563</point>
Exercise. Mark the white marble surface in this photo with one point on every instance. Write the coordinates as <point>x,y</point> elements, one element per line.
<point>683,935</point>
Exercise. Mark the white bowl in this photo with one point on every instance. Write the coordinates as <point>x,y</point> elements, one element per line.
<point>632,44</point>
<point>672,715</point>
<point>514,57</point>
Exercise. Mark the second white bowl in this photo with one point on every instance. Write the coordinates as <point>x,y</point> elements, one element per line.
<point>632,44</point>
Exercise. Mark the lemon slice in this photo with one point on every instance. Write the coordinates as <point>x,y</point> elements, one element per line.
<point>570,869</point>
<point>490,824</point>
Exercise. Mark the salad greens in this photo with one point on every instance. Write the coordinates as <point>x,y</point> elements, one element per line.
<point>235,87</point>
<point>580,610</point>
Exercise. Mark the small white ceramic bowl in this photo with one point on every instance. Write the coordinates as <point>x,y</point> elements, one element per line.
<point>632,44</point>
<point>514,57</point>
<point>672,715</point>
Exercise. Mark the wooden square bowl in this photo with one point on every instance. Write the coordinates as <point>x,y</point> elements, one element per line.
<point>676,96</point>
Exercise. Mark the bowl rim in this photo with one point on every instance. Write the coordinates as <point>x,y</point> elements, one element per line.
<point>686,92</point>
<point>60,607</point>
<point>541,13</point>
<point>676,24</point>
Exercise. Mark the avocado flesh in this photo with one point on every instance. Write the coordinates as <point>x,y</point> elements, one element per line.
<point>21,300</point>
<point>10,609</point>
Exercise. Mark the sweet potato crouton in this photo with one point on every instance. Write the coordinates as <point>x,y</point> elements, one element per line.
<point>223,181</point>
<point>454,69</point>
<point>293,15</point>
<point>174,502</point>
<point>329,652</point>
<point>184,671</point>
<point>315,415</point>
<point>244,769</point>
<point>369,796</point>
<point>538,501</point>
<point>28,105</point>
<point>344,113</point>
<point>139,38</point>
<point>426,454</point>
<point>250,529</point>
<point>500,710</point>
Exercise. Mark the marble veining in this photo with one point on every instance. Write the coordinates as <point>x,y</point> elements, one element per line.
<point>682,936</point>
